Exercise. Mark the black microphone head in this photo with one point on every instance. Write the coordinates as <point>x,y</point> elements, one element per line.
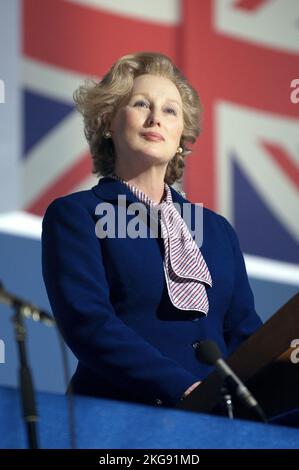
<point>208,352</point>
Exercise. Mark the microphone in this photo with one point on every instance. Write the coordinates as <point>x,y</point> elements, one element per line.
<point>209,353</point>
<point>26,309</point>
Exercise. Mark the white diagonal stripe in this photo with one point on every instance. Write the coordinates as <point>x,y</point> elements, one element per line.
<point>56,152</point>
<point>51,81</point>
<point>165,11</point>
<point>274,24</point>
<point>240,133</point>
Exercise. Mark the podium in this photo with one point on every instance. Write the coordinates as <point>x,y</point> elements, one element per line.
<point>265,363</point>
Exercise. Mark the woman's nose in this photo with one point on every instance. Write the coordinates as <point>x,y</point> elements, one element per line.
<point>154,119</point>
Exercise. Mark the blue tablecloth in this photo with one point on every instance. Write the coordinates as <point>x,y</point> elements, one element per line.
<point>108,424</point>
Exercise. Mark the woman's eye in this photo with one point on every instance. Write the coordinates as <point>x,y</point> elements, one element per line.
<point>171,111</point>
<point>141,103</point>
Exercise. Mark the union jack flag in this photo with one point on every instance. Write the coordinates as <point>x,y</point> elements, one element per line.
<point>245,164</point>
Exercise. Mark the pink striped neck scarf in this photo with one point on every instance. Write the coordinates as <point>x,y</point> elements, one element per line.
<point>185,269</point>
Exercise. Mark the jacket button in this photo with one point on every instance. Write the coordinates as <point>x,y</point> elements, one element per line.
<point>195,345</point>
<point>158,402</point>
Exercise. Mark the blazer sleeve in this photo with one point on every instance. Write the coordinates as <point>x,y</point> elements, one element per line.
<point>241,319</point>
<point>78,291</point>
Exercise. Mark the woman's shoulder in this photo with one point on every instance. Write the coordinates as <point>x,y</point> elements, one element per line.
<point>214,222</point>
<point>77,201</point>
<point>216,218</point>
<point>71,216</point>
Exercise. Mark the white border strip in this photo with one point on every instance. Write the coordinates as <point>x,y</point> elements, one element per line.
<point>22,224</point>
<point>272,270</point>
<point>28,225</point>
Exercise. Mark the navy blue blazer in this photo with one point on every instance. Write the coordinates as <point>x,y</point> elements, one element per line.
<point>110,300</point>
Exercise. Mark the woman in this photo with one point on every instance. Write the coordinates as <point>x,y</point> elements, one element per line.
<point>132,308</point>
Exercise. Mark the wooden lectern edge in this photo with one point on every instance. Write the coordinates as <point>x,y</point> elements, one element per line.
<point>269,343</point>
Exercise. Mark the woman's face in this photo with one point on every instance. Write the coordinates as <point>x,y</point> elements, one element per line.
<point>150,124</point>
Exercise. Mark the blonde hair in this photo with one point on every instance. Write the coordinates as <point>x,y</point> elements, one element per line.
<point>99,101</point>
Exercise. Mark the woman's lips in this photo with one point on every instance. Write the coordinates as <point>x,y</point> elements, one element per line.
<point>154,136</point>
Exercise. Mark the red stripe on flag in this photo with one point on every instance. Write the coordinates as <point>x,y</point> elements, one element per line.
<point>88,40</point>
<point>62,185</point>
<point>249,5</point>
<point>225,68</point>
<point>283,160</point>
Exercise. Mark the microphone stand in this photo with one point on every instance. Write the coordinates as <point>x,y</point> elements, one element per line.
<point>208,352</point>
<point>227,400</point>
<point>25,380</point>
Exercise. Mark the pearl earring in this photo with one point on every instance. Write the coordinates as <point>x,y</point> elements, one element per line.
<point>107,135</point>
<point>179,150</point>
